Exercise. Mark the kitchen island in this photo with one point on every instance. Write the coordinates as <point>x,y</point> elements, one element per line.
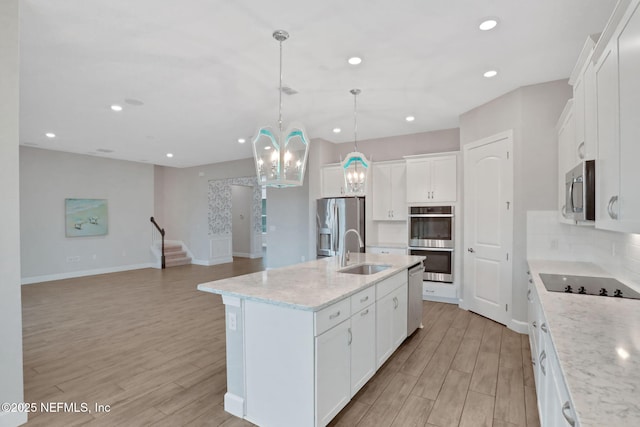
<point>302,340</point>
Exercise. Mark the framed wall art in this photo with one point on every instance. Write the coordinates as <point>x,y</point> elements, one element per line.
<point>85,217</point>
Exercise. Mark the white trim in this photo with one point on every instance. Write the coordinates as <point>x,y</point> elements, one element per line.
<point>428,155</point>
<point>83,273</point>
<point>213,261</point>
<point>234,404</point>
<point>519,326</point>
<point>247,255</point>
<point>231,300</point>
<point>12,419</point>
<point>455,301</point>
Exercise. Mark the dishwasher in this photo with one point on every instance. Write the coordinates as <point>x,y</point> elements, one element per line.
<point>414,314</point>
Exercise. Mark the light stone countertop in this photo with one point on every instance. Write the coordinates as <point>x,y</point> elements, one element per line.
<point>387,245</point>
<point>591,335</point>
<point>310,285</point>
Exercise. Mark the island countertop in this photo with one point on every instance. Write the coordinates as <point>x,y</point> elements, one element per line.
<point>311,285</point>
<point>597,340</point>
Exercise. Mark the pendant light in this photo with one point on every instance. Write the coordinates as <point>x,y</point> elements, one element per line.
<point>355,164</point>
<point>281,157</point>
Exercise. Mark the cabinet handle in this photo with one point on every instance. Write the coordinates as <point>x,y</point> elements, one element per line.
<point>533,361</point>
<point>530,280</point>
<point>365,298</point>
<point>543,356</point>
<point>612,201</point>
<point>334,315</point>
<point>581,151</point>
<point>364,313</point>
<point>529,295</point>
<point>566,416</point>
<point>534,324</point>
<point>471,250</point>
<point>564,211</point>
<point>350,336</point>
<point>395,302</point>
<point>391,213</point>
<point>544,327</point>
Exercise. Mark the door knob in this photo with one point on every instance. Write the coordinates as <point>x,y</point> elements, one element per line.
<point>471,250</point>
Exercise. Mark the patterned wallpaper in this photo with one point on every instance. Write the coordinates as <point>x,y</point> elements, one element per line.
<point>220,204</point>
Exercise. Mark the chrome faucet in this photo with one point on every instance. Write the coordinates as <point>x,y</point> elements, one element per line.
<point>345,253</point>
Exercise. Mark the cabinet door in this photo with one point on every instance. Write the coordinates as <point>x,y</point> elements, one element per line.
<point>608,165</point>
<point>399,329</point>
<point>381,192</point>
<point>333,378</point>
<point>398,190</point>
<point>443,179</point>
<point>566,158</point>
<point>332,181</point>
<point>590,117</point>
<point>627,206</point>
<point>579,119</point>
<point>384,328</point>
<point>363,347</point>
<point>419,181</point>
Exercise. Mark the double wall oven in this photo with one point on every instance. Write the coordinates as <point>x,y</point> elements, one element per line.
<point>431,234</point>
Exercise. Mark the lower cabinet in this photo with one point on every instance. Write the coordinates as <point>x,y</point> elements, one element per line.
<point>554,405</point>
<point>391,322</point>
<point>363,347</point>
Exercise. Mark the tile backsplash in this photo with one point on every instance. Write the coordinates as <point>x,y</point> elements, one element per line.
<point>617,253</point>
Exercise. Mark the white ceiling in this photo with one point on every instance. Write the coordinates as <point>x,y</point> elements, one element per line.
<point>207,70</point>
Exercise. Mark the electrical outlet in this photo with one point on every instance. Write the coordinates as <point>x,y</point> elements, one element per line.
<point>231,320</point>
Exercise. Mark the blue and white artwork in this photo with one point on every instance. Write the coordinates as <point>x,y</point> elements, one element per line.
<point>85,217</point>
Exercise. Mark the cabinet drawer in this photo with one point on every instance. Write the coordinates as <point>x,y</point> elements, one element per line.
<point>327,318</point>
<point>388,285</point>
<point>386,250</point>
<point>363,299</point>
<point>438,290</point>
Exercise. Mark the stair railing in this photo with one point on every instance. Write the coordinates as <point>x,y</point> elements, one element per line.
<point>154,237</point>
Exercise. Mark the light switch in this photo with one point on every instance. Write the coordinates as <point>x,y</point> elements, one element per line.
<point>232,321</point>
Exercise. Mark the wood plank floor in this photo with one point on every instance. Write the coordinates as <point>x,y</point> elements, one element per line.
<point>151,346</point>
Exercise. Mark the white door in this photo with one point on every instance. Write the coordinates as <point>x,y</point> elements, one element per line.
<point>381,192</point>
<point>488,225</point>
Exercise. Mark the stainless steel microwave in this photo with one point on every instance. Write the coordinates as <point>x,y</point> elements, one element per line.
<point>580,192</point>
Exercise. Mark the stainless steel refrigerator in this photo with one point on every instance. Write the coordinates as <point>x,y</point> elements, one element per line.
<point>334,217</point>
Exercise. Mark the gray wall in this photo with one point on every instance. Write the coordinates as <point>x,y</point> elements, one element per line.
<point>47,178</point>
<point>11,389</point>
<point>241,200</point>
<point>184,211</point>
<point>532,113</point>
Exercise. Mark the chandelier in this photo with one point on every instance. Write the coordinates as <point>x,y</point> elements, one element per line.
<point>355,164</point>
<point>281,157</point>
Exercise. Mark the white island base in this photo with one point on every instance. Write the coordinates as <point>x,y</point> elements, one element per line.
<point>299,365</point>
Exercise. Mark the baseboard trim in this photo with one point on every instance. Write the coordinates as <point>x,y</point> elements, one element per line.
<point>213,261</point>
<point>12,419</point>
<point>82,273</point>
<point>519,326</point>
<point>234,404</point>
<point>455,301</point>
<point>242,254</point>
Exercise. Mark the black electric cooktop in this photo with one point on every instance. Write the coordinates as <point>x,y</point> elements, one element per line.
<point>602,286</point>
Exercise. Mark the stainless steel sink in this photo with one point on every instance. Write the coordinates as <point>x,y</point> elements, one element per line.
<point>365,269</point>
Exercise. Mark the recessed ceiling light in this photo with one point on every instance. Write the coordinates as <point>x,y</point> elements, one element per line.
<point>488,24</point>
<point>337,130</point>
<point>242,140</point>
<point>490,73</point>
<point>169,155</point>
<point>409,118</point>
<point>50,135</point>
<point>354,60</point>
<point>115,107</point>
<point>268,147</point>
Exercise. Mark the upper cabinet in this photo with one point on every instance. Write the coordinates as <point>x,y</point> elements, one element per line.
<point>617,81</point>
<point>332,181</point>
<point>431,179</point>
<point>566,155</point>
<point>584,105</point>
<point>389,191</point>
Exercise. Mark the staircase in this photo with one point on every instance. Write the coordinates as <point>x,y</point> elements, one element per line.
<point>175,255</point>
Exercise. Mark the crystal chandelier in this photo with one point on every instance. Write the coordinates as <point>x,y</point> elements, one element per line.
<point>355,164</point>
<point>281,156</point>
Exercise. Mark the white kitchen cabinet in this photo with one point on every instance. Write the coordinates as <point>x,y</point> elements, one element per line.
<point>567,159</point>
<point>554,405</point>
<point>363,347</point>
<point>391,316</point>
<point>431,179</point>
<point>333,372</point>
<point>332,181</point>
<point>618,101</point>
<point>389,191</point>
<point>584,103</point>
